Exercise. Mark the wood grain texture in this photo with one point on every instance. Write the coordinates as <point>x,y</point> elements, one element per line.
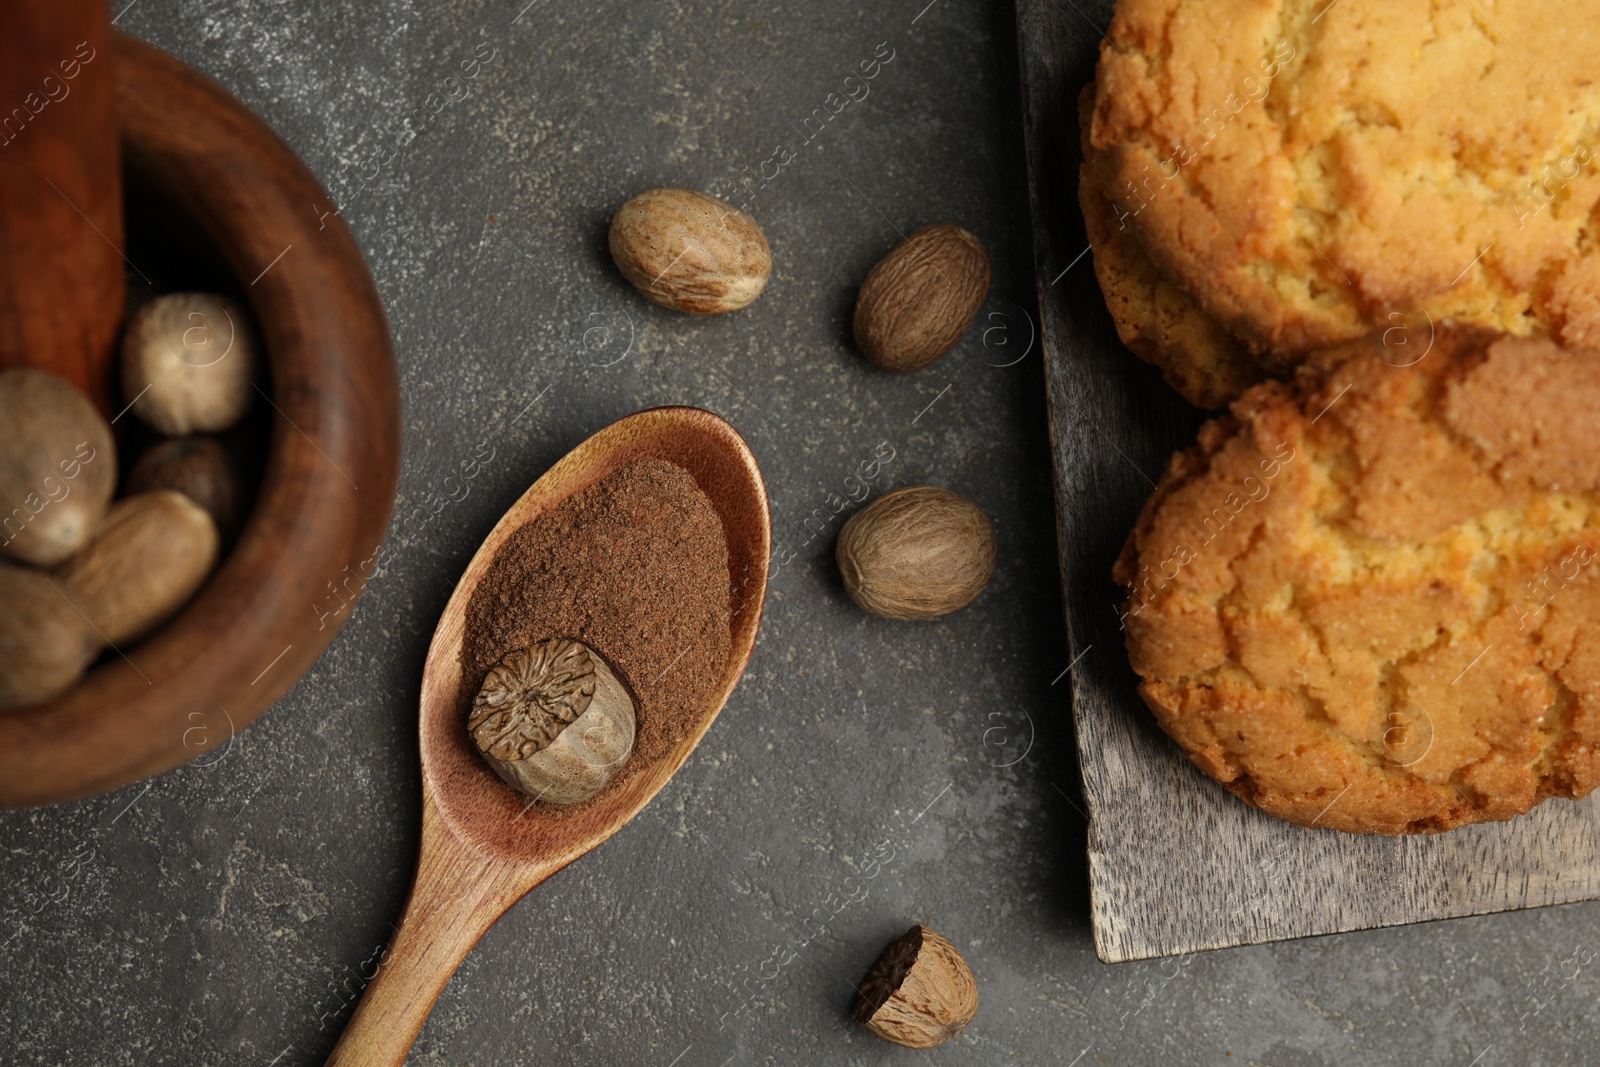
<point>1176,864</point>
<point>330,480</point>
<point>483,844</point>
<point>61,265</point>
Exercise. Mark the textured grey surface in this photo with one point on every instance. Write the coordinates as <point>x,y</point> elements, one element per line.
<point>222,913</point>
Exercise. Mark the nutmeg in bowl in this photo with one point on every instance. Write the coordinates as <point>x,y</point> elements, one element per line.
<point>202,469</point>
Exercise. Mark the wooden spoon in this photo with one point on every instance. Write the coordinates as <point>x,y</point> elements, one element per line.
<point>483,846</point>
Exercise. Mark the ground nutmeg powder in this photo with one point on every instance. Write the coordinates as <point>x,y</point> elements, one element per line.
<point>635,567</point>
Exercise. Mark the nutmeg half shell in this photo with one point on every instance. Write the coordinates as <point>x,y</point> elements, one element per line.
<point>920,993</point>
<point>689,251</point>
<point>918,301</point>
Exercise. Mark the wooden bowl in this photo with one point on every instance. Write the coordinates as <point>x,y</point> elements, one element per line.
<point>330,471</point>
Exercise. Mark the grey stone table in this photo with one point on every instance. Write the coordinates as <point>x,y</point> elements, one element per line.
<point>225,913</point>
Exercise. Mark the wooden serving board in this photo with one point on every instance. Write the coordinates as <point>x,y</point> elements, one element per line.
<point>1176,863</point>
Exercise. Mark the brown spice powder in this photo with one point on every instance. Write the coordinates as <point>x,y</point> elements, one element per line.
<point>635,567</point>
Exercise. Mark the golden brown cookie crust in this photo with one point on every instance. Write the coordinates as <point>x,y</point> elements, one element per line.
<point>1302,170</point>
<point>1157,320</point>
<point>1370,599</point>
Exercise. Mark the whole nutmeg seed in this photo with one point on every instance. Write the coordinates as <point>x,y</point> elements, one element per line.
<point>45,644</point>
<point>920,298</point>
<point>553,721</point>
<point>199,468</point>
<point>187,363</point>
<point>920,993</point>
<point>916,553</point>
<point>689,251</point>
<point>150,555</point>
<point>58,467</point>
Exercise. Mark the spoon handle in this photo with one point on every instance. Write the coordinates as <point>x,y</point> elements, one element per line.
<point>456,897</point>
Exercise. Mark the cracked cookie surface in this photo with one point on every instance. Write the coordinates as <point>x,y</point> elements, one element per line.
<point>1369,599</point>
<point>1281,175</point>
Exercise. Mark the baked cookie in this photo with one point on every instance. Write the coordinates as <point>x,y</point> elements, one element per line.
<point>1157,320</point>
<point>1369,599</point>
<point>1283,175</point>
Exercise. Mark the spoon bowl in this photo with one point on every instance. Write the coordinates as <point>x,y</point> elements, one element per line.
<point>484,845</point>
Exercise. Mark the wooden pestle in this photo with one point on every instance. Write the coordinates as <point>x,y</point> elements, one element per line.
<point>62,286</point>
